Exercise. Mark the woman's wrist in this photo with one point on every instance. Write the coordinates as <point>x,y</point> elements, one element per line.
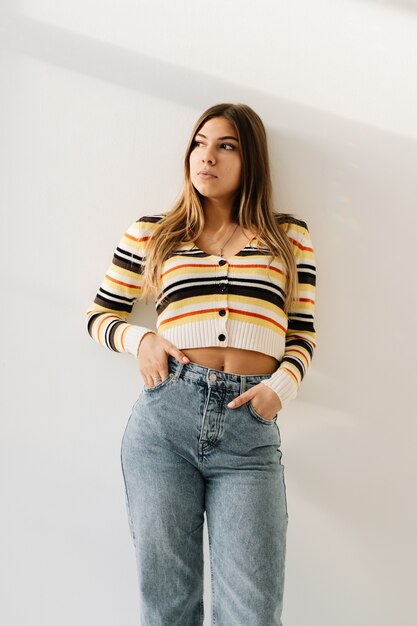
<point>133,337</point>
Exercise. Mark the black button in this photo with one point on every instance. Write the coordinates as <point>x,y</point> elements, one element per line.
<point>222,262</point>
<point>223,286</point>
<point>222,312</point>
<point>222,337</point>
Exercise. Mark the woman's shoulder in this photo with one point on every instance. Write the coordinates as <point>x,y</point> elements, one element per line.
<point>150,218</point>
<point>289,219</point>
<point>140,230</point>
<point>145,224</point>
<point>295,228</point>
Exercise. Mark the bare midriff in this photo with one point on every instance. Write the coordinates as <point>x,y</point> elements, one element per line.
<point>233,360</point>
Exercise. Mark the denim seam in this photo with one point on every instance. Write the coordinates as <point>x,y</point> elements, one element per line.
<point>285,496</point>
<point>261,419</point>
<point>129,511</point>
<point>213,604</point>
<point>202,607</point>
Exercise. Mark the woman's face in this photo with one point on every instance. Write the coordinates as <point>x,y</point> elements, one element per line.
<point>215,160</point>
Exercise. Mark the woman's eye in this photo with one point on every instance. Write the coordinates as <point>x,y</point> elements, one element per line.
<point>226,146</point>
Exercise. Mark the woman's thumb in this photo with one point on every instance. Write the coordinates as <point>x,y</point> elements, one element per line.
<point>180,356</point>
<point>176,353</point>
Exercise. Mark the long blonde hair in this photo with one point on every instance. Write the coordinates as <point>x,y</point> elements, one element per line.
<point>252,207</point>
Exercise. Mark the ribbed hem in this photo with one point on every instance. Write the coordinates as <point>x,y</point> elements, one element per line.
<point>238,335</point>
<point>133,336</point>
<point>283,384</point>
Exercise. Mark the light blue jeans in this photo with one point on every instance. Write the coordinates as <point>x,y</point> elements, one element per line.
<point>184,452</point>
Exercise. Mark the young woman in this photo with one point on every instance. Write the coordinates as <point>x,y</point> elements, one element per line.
<point>233,283</point>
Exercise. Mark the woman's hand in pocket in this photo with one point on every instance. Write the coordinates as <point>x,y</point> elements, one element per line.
<point>152,358</point>
<point>263,399</point>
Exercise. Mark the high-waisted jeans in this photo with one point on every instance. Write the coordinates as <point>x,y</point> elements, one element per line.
<point>184,452</point>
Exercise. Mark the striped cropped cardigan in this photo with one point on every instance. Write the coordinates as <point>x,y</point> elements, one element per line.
<point>210,301</point>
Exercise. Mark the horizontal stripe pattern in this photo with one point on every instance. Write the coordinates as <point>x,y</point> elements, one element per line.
<point>204,303</point>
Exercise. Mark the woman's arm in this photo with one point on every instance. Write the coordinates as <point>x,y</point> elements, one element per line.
<point>120,288</point>
<point>300,341</point>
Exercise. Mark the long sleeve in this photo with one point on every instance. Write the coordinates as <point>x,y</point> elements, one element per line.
<point>300,341</point>
<point>120,288</point>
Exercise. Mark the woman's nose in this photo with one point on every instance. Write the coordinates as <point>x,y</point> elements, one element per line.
<point>207,157</point>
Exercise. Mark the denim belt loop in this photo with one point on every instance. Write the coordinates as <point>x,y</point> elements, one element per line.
<point>178,368</point>
<point>242,385</point>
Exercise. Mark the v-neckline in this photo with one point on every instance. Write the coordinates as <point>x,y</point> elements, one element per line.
<point>216,256</point>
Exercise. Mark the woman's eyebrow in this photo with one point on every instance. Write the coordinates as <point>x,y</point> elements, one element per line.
<point>225,137</point>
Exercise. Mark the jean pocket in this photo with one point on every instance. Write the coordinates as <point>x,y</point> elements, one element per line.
<point>164,382</point>
<point>259,417</point>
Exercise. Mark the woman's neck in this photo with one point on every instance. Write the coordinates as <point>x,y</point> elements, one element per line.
<point>217,217</point>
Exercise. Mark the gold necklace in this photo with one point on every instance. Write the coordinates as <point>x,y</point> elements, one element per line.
<point>224,245</point>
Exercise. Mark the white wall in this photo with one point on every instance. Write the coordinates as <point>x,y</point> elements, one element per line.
<point>98,99</point>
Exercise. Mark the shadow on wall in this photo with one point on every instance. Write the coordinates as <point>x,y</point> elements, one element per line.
<point>352,183</point>
<point>355,215</point>
<point>406,5</point>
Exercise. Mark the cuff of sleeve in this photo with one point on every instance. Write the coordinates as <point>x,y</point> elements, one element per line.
<point>133,336</point>
<point>283,384</point>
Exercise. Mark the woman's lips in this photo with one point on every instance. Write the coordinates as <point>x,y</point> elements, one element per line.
<point>206,175</point>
